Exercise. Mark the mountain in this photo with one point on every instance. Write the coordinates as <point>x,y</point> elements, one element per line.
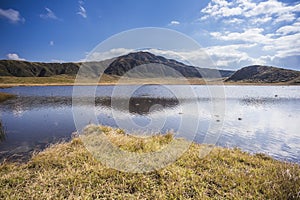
<point>36,69</point>
<point>147,65</point>
<point>265,74</point>
<point>158,65</point>
<point>152,66</point>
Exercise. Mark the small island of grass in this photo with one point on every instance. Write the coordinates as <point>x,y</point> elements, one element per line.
<point>5,96</point>
<point>68,170</point>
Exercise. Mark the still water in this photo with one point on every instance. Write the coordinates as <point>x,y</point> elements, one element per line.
<point>257,119</point>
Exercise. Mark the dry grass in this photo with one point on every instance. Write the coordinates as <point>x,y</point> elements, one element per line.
<point>5,96</point>
<point>69,171</point>
<point>105,80</point>
<point>14,81</point>
<point>126,142</point>
<point>10,81</point>
<point>2,133</point>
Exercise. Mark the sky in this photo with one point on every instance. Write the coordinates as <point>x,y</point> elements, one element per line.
<point>233,33</point>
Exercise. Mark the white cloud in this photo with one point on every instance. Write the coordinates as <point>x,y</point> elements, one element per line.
<point>197,57</point>
<point>221,8</point>
<point>82,10</point>
<point>234,21</point>
<point>262,20</point>
<point>49,14</point>
<point>280,46</point>
<point>232,55</point>
<point>271,25</point>
<point>14,56</point>
<point>51,43</point>
<point>174,22</point>
<point>231,11</point>
<point>278,11</point>
<point>98,56</point>
<point>268,7</point>
<point>252,35</point>
<point>293,28</point>
<point>286,17</point>
<point>284,46</point>
<point>12,15</point>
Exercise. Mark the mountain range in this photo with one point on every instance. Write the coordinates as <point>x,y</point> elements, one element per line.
<point>153,66</point>
<point>145,65</point>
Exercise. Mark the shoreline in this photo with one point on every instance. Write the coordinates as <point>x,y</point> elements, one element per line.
<point>64,80</point>
<point>7,85</point>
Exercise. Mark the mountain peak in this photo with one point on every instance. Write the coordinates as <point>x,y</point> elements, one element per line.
<point>264,74</point>
<point>159,66</point>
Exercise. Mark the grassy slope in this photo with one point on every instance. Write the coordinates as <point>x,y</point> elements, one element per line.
<point>11,80</point>
<point>68,171</point>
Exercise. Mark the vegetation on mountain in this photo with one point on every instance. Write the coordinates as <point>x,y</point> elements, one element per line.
<point>156,65</point>
<point>265,74</point>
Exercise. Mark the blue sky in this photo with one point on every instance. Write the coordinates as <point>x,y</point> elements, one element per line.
<point>234,33</point>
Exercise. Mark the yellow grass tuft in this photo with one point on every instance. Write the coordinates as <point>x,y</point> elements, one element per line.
<point>5,96</point>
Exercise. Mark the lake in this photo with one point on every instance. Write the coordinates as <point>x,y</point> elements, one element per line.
<point>257,119</point>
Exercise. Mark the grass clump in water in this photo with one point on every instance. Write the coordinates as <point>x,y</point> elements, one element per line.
<point>68,170</point>
<point>126,142</point>
<point>5,96</point>
<point>2,133</point>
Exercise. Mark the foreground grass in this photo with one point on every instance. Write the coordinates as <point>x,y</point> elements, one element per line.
<point>5,96</point>
<point>68,170</point>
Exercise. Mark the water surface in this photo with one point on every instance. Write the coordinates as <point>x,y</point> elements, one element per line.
<point>262,119</point>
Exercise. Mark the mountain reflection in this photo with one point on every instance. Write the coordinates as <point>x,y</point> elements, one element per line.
<point>135,105</point>
<point>144,106</point>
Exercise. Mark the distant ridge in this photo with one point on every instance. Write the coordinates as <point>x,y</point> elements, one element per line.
<point>265,74</point>
<point>119,66</point>
<point>36,69</point>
